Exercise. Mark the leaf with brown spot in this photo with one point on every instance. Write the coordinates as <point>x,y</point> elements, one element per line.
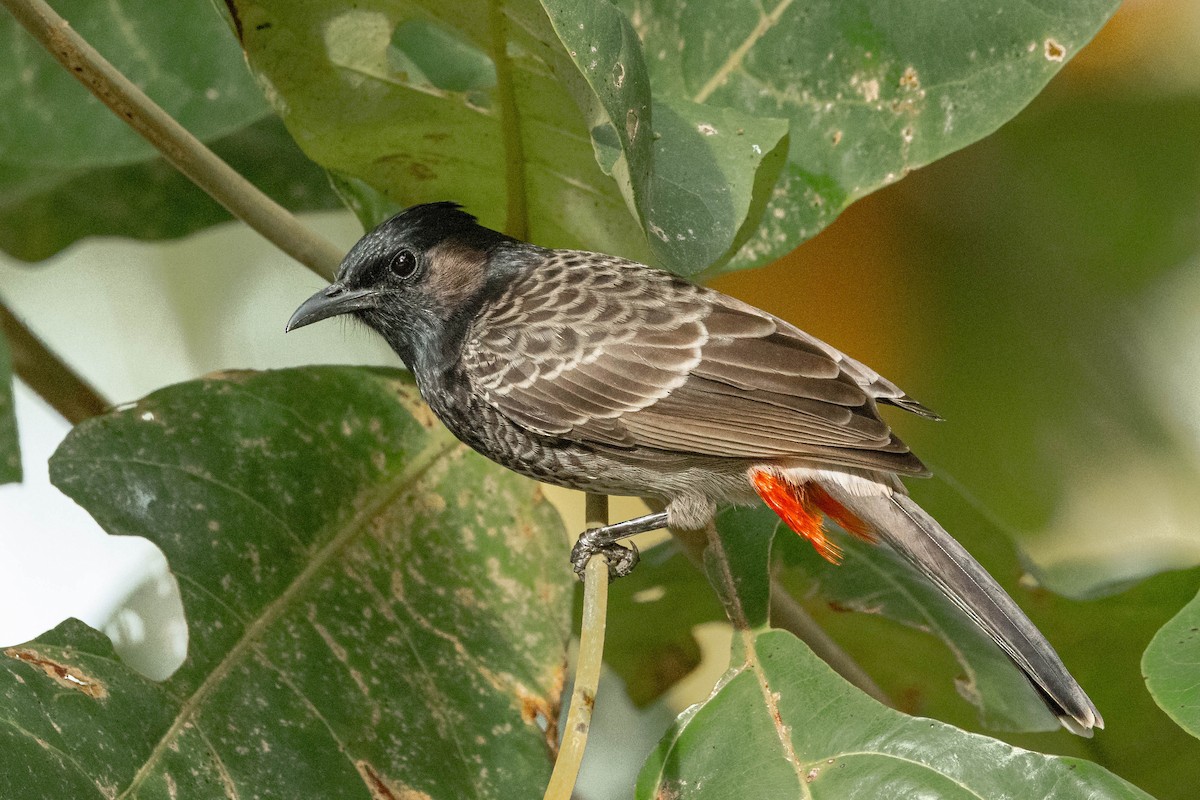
<point>803,731</point>
<point>383,790</point>
<point>348,625</point>
<point>539,116</point>
<point>61,673</point>
<point>871,91</point>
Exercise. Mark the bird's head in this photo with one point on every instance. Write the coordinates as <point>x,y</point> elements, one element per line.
<point>413,279</point>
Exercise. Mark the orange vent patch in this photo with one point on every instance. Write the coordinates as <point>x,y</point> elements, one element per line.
<point>803,506</point>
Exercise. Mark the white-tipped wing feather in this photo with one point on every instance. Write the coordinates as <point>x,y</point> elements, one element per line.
<point>632,357</point>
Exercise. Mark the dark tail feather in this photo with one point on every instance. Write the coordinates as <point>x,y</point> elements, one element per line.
<point>922,541</point>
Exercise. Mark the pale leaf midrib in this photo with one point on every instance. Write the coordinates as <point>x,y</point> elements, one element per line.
<point>735,59</point>
<point>749,644</point>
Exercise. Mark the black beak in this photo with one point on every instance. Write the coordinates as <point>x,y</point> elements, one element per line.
<point>334,299</point>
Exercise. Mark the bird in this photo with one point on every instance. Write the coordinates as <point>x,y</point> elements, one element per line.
<point>605,375</point>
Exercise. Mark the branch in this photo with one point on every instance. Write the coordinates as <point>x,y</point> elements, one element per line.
<point>187,153</point>
<point>55,382</point>
<point>587,663</point>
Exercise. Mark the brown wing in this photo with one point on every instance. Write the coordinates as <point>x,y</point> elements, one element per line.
<point>612,353</point>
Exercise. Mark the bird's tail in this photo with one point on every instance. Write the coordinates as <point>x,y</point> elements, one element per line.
<point>903,525</point>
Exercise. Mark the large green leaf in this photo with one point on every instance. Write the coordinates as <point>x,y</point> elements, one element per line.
<point>10,449</point>
<point>801,731</point>
<point>339,76</point>
<point>693,121</point>
<point>872,90</point>
<point>375,611</point>
<point>1171,665</point>
<point>529,143</point>
<point>48,208</point>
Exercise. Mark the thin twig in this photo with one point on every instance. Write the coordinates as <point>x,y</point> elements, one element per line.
<point>187,153</point>
<point>587,663</point>
<point>56,383</point>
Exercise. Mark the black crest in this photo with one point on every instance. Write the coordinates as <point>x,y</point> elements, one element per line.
<point>423,226</point>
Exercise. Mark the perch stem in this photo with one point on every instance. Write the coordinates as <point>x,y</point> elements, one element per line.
<point>587,663</point>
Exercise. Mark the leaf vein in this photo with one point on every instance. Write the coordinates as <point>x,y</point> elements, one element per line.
<point>274,610</point>
<point>735,59</point>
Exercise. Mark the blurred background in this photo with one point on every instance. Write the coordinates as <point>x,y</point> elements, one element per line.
<point>1040,290</point>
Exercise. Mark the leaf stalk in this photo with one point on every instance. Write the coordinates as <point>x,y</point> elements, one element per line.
<point>587,663</point>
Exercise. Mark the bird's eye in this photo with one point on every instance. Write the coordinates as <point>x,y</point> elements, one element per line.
<point>403,264</point>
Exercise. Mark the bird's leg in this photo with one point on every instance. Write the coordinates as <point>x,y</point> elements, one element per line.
<point>621,559</point>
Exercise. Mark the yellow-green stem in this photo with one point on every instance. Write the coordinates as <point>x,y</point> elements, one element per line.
<point>587,663</point>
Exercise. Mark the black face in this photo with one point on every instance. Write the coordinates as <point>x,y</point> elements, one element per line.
<point>405,277</point>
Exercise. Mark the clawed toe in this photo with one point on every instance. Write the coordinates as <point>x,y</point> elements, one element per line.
<point>621,559</point>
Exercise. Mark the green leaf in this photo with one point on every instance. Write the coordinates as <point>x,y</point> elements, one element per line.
<point>801,731</point>
<point>10,448</point>
<point>179,53</point>
<point>524,115</point>
<point>689,170</point>
<point>374,610</point>
<point>872,90</point>
<point>331,69</point>
<point>43,210</point>
<point>1171,665</point>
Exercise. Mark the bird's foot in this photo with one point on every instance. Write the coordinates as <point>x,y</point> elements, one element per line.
<point>621,559</point>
